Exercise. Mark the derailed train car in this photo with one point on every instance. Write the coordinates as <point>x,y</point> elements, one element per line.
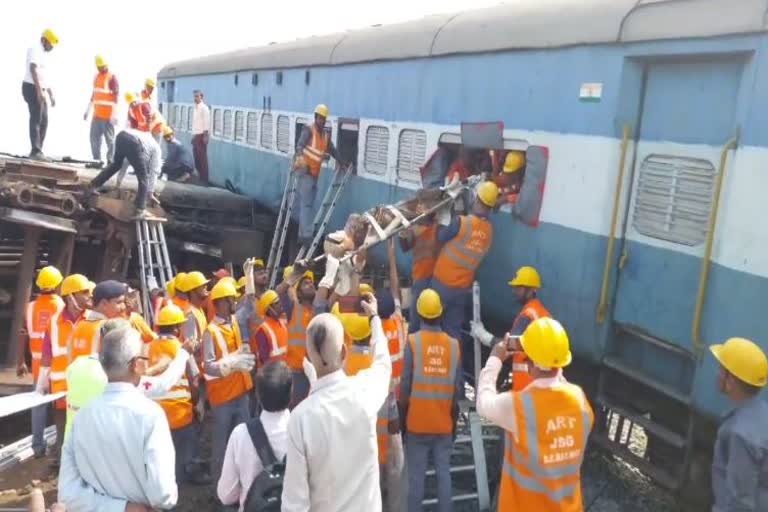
<point>647,120</point>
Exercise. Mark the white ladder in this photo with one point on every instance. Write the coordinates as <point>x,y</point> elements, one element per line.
<point>154,262</point>
<point>281,228</point>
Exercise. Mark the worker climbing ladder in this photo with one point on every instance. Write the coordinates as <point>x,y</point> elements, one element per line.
<point>281,228</point>
<point>154,262</point>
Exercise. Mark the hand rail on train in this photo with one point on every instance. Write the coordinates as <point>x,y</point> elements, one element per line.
<point>707,258</point>
<point>602,307</point>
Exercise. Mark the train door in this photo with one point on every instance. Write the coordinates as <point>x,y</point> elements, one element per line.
<point>347,140</point>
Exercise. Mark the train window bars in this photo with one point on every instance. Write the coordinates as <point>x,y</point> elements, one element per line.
<point>228,125</point>
<point>217,122</point>
<point>376,149</point>
<point>411,153</point>
<point>266,131</point>
<point>283,134</point>
<point>239,126</point>
<point>252,128</point>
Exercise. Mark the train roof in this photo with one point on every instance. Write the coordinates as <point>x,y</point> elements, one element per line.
<point>523,24</point>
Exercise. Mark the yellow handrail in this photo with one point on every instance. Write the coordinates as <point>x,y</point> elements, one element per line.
<point>706,261</point>
<point>603,305</point>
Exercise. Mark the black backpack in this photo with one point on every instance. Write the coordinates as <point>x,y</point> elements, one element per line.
<point>265,492</point>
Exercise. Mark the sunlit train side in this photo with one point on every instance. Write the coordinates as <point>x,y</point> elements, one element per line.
<point>648,118</point>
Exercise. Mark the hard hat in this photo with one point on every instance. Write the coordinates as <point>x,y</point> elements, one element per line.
<point>222,290</point>
<point>171,315</point>
<point>321,110</point>
<point>267,298</point>
<point>130,97</point>
<point>100,62</point>
<point>50,36</point>
<point>358,327</point>
<point>229,279</point>
<point>526,276</point>
<point>308,275</point>
<point>258,263</point>
<point>545,342</point>
<point>170,287</point>
<point>76,283</point>
<point>48,278</point>
<point>149,82</point>
<point>240,283</point>
<point>429,305</point>
<point>167,130</point>
<point>178,281</point>
<point>287,271</point>
<point>514,161</point>
<point>366,288</point>
<point>191,281</point>
<point>744,359</point>
<point>488,193</point>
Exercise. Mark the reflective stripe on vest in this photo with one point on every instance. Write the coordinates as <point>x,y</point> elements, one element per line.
<point>360,358</point>
<point>532,310</point>
<point>423,384</point>
<point>135,113</point>
<point>277,349</point>
<point>86,337</point>
<point>104,100</point>
<point>393,330</point>
<point>221,343</point>
<point>461,256</point>
<point>39,313</point>
<point>315,151</point>
<point>297,327</point>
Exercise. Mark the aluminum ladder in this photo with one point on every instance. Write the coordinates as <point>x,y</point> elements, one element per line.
<point>323,215</point>
<point>281,228</point>
<point>154,262</point>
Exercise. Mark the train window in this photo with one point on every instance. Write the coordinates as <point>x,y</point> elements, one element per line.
<point>674,198</point>
<point>306,77</point>
<point>283,134</point>
<point>183,120</point>
<point>228,126</point>
<point>217,122</point>
<point>279,78</point>
<point>411,152</point>
<point>239,126</point>
<point>266,131</point>
<point>255,79</point>
<point>376,149</point>
<point>175,122</point>
<point>252,128</point>
<point>190,118</point>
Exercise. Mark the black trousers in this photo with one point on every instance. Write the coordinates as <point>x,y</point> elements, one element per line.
<point>128,147</point>
<point>38,117</point>
<point>174,172</point>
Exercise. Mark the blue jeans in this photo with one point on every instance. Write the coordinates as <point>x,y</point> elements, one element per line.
<point>414,322</point>
<point>225,418</point>
<point>39,419</point>
<point>454,307</point>
<point>184,441</point>
<point>300,388</point>
<point>417,449</point>
<point>307,190</point>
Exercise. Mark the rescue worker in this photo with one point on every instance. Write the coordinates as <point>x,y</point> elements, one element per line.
<point>103,107</point>
<point>739,469</point>
<point>312,149</point>
<point>271,338</point>
<point>467,239</point>
<point>220,274</point>
<point>297,298</point>
<point>108,302</point>
<point>525,285</point>
<point>256,280</point>
<point>139,113</point>
<point>227,372</point>
<point>429,401</point>
<point>37,317</point>
<point>178,165</point>
<point>34,87</point>
<point>547,424</point>
<point>76,292</point>
<point>147,93</point>
<point>421,240</point>
<point>510,179</point>
<point>177,403</point>
<point>191,297</point>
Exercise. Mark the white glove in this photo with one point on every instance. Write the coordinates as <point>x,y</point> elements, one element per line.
<point>250,287</point>
<point>479,332</point>
<point>243,362</point>
<point>43,384</point>
<point>309,371</point>
<point>225,365</point>
<point>331,269</point>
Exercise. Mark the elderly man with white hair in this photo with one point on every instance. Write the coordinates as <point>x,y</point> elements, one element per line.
<point>332,461</point>
<point>119,455</point>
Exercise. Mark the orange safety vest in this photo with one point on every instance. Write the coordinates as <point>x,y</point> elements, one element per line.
<point>542,464</point>
<point>435,365</point>
<point>314,152</point>
<point>395,333</point>
<point>210,310</point>
<point>38,316</point>
<point>104,101</point>
<point>86,336</point>
<point>145,96</point>
<point>459,258</point>
<point>156,121</point>
<point>59,332</point>
<point>277,333</point>
<point>226,338</point>
<point>532,310</point>
<point>138,323</point>
<point>425,250</point>
<point>140,120</point>
<point>177,402</point>
<point>297,336</point>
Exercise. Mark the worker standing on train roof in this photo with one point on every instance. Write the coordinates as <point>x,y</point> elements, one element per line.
<point>429,400</point>
<point>421,240</point>
<point>739,463</point>
<point>467,239</point>
<point>76,290</point>
<point>227,367</point>
<point>108,303</point>
<point>297,295</point>
<point>103,108</point>
<point>33,89</point>
<point>37,318</point>
<point>256,280</point>
<point>313,148</point>
<point>271,337</point>
<point>547,424</point>
<point>147,93</point>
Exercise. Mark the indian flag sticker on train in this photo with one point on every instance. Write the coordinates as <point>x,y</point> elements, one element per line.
<point>591,92</point>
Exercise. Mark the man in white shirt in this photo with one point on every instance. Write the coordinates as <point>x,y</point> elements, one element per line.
<point>332,463</point>
<point>119,455</point>
<point>201,123</point>
<point>34,88</point>
<point>241,462</point>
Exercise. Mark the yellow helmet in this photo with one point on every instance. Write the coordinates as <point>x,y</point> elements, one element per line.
<point>229,279</point>
<point>267,298</point>
<point>171,315</point>
<point>191,281</point>
<point>100,62</point>
<point>366,288</point>
<point>545,342</point>
<point>287,271</point>
<point>744,359</point>
<point>488,193</point>
<point>526,276</point>
<point>149,82</point>
<point>514,161</point>
<point>130,97</point>
<point>429,305</point>
<point>322,110</point>
<point>167,130</point>
<point>258,263</point>
<point>223,289</point>
<point>48,278</point>
<point>178,281</point>
<point>50,36</point>
<point>240,283</point>
<point>170,287</point>
<point>76,283</point>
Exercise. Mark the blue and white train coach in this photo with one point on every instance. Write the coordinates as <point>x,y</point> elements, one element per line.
<point>653,114</point>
